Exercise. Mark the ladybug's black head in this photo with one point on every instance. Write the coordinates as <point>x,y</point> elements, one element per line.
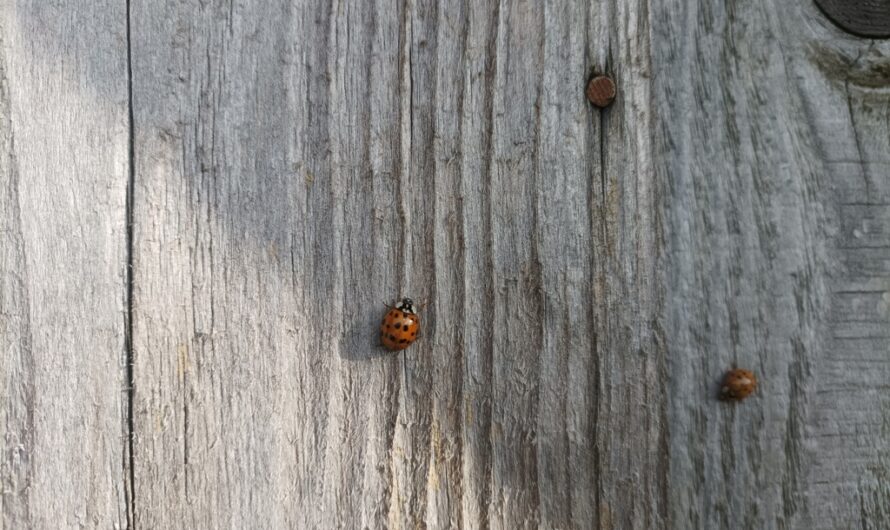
<point>406,305</point>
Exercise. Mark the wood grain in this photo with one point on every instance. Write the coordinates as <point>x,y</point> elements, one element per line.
<point>299,164</point>
<point>63,178</point>
<point>774,142</point>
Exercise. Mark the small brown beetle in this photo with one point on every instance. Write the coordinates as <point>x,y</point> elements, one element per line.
<point>738,384</point>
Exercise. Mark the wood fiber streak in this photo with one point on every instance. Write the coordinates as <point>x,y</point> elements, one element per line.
<point>773,150</point>
<point>299,163</point>
<point>63,179</point>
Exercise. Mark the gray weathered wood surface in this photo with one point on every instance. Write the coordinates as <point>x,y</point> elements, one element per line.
<point>775,160</point>
<point>588,275</point>
<point>63,187</point>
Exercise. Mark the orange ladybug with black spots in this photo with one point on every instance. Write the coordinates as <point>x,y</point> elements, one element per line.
<point>400,326</point>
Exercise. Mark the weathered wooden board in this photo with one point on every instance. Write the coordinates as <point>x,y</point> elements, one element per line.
<point>775,142</point>
<point>63,184</point>
<point>587,275</point>
<point>300,163</point>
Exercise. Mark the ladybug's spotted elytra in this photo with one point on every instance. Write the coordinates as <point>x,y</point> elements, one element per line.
<point>400,326</point>
<point>738,384</point>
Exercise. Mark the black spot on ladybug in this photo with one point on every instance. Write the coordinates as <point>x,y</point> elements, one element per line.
<point>405,327</point>
<point>415,333</point>
<point>403,341</point>
<point>392,337</point>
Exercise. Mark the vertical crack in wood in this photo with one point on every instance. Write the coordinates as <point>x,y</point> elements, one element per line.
<point>593,374</point>
<point>459,303</point>
<point>406,83</point>
<point>602,136</point>
<point>537,276</point>
<point>491,76</point>
<point>128,324</point>
<point>857,140</point>
<point>598,369</point>
<point>602,142</point>
<point>404,165</point>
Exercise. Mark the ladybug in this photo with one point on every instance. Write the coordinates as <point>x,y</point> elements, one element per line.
<point>400,326</point>
<point>738,384</point>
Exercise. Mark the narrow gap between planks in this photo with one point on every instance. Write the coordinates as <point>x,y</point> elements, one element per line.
<point>128,323</point>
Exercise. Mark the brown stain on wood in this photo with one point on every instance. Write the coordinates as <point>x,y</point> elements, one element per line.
<point>868,70</point>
